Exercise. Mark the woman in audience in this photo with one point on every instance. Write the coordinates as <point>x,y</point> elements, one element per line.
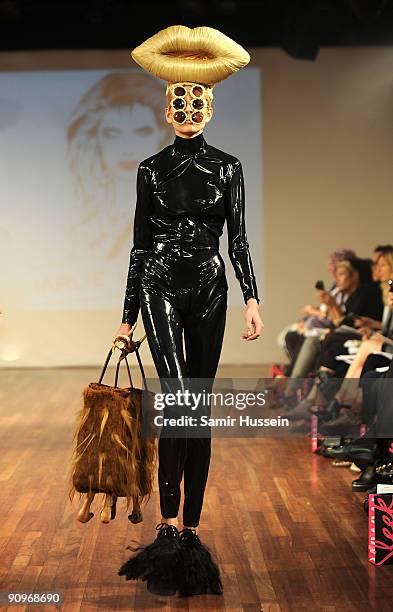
<point>317,326</point>
<point>295,338</point>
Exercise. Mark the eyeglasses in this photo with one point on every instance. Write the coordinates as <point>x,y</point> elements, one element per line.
<point>179,104</point>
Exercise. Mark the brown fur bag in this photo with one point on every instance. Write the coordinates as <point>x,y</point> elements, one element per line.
<point>110,455</point>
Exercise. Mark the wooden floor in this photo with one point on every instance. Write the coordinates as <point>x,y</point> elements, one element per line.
<point>286,529</point>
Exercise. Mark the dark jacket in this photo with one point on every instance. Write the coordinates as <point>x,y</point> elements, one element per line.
<point>365,301</point>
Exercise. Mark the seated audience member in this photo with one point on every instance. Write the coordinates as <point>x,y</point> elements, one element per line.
<point>364,299</point>
<point>294,336</point>
<point>320,317</point>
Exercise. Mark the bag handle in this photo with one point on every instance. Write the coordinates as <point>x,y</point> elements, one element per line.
<point>134,347</point>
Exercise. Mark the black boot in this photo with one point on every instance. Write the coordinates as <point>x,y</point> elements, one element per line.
<point>366,480</point>
<point>159,563</point>
<point>199,572</point>
<point>328,384</point>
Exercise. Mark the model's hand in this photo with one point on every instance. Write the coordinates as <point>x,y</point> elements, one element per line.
<point>124,330</point>
<point>254,323</point>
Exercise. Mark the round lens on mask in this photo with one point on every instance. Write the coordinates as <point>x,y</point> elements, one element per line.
<point>197,117</point>
<point>179,103</point>
<point>197,91</point>
<point>180,91</point>
<point>179,116</point>
<point>198,104</point>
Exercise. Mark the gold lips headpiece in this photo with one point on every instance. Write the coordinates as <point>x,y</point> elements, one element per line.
<point>179,54</point>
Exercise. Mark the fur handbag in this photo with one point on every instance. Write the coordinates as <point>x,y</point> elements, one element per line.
<point>110,455</point>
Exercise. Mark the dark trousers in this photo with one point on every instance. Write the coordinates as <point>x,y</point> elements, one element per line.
<point>369,384</point>
<point>184,291</point>
<point>293,344</point>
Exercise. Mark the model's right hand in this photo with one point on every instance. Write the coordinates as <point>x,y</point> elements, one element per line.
<point>124,329</point>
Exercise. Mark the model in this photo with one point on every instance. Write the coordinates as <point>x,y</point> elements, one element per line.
<point>176,277</point>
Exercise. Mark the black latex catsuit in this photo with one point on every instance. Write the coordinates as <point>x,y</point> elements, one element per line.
<point>176,276</point>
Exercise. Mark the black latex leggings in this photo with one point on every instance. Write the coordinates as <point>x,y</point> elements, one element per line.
<point>184,290</point>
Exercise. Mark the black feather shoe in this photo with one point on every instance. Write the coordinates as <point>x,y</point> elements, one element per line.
<point>199,573</point>
<point>159,563</point>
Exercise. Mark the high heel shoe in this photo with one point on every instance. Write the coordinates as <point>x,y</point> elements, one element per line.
<point>301,411</point>
<point>345,424</point>
<point>328,384</point>
<point>333,409</point>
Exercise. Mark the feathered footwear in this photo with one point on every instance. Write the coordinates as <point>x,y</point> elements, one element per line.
<point>158,562</point>
<point>199,573</point>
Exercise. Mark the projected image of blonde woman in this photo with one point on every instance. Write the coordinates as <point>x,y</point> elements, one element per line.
<point>116,124</point>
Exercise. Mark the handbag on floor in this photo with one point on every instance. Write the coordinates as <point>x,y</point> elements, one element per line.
<point>110,455</point>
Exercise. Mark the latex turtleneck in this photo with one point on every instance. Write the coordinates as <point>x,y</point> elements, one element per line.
<point>190,146</point>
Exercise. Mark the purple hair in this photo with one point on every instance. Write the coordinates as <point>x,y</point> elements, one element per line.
<point>340,255</point>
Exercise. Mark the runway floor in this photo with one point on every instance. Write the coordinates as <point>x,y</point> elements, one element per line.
<point>287,531</point>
